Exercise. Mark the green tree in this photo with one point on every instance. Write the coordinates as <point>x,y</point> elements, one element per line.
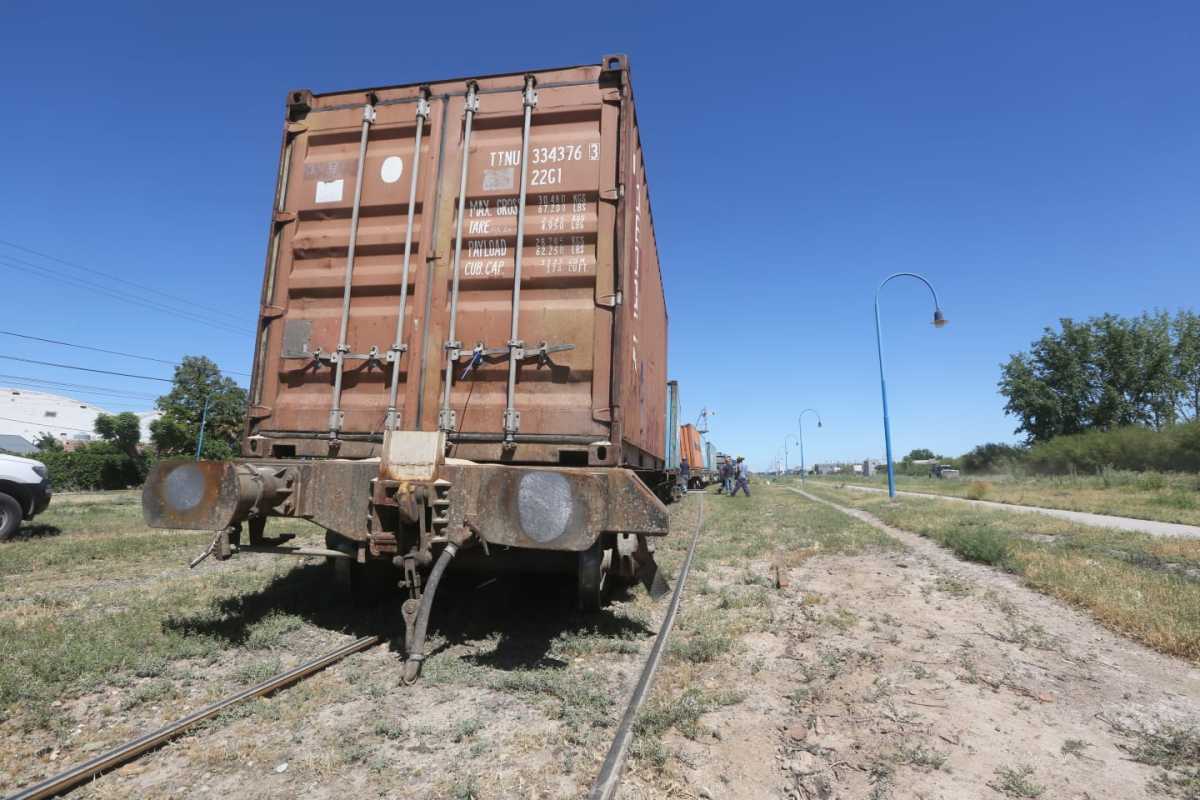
<point>1050,388</point>
<point>1100,374</point>
<point>1186,331</point>
<point>1132,367</point>
<point>123,430</point>
<point>920,454</point>
<point>47,443</point>
<point>197,379</point>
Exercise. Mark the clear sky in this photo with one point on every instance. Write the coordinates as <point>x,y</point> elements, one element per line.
<point>1034,160</point>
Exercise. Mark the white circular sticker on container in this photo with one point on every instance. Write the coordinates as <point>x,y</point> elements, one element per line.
<point>392,169</point>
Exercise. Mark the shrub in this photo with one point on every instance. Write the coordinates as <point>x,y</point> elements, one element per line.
<point>98,465</point>
<point>1176,448</point>
<point>978,490</point>
<point>979,544</point>
<point>992,456</point>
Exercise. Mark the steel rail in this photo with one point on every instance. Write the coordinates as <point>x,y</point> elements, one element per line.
<point>605,786</point>
<point>132,749</point>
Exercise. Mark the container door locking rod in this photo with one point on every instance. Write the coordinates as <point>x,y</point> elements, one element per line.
<point>446,421</point>
<point>343,348</point>
<point>399,347</point>
<point>512,417</point>
<point>542,353</point>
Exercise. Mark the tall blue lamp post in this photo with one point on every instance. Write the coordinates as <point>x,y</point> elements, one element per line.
<point>800,424</point>
<point>938,321</point>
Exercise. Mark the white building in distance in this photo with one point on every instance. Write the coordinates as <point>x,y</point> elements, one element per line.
<point>29,414</point>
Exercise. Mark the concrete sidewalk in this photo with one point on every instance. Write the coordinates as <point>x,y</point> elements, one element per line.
<point>1151,527</point>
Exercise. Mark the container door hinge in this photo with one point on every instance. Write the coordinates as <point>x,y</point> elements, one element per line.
<point>612,195</point>
<point>609,300</point>
<point>259,412</point>
<point>271,312</point>
<point>285,217</point>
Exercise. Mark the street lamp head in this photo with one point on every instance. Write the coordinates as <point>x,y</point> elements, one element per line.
<point>939,320</point>
<point>819,423</point>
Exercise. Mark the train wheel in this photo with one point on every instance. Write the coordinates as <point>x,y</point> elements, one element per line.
<point>594,566</point>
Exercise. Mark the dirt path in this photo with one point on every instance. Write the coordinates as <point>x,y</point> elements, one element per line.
<point>918,675</point>
<point>1152,527</point>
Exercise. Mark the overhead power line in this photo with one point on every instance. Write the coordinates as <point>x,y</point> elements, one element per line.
<point>21,265</point>
<point>143,287</point>
<point>87,347</point>
<point>79,388</point>
<point>86,369</point>
<point>103,350</point>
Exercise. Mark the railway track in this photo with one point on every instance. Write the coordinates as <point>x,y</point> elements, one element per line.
<point>72,777</point>
<point>604,787</point>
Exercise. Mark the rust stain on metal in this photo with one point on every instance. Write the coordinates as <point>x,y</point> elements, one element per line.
<point>590,276</point>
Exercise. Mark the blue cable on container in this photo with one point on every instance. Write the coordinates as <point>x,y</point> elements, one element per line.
<point>476,359</point>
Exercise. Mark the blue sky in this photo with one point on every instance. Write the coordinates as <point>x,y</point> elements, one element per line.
<point>1034,160</point>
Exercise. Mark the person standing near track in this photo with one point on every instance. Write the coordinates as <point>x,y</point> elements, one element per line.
<point>741,477</point>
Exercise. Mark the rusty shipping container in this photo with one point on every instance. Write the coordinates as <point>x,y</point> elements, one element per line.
<point>463,333</point>
<point>590,276</point>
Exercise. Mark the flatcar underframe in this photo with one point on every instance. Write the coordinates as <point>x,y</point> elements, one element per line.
<point>416,509</point>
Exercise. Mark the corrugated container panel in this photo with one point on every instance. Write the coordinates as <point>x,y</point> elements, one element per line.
<point>590,273</point>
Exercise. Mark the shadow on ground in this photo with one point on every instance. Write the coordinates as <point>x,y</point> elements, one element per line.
<point>35,532</point>
<point>523,613</point>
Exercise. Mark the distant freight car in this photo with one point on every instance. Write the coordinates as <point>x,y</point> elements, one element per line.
<point>463,336</point>
<point>691,452</point>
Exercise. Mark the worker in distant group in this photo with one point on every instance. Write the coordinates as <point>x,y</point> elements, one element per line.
<point>742,477</point>
<point>685,474</point>
<point>725,472</point>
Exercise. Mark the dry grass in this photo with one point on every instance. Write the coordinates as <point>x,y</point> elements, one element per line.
<point>1145,587</point>
<point>977,490</point>
<point>1163,611</point>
